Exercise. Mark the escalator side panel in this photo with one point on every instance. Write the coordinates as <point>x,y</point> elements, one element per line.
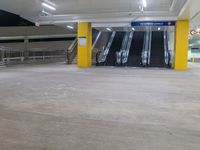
<point>157,49</point>
<point>135,53</point>
<point>116,46</point>
<point>102,55</point>
<point>94,34</point>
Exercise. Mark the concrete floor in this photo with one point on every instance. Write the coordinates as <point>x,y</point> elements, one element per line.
<point>58,107</point>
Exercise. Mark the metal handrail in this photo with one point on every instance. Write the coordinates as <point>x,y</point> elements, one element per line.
<point>146,49</point>
<point>74,43</point>
<point>149,48</point>
<point>167,56</point>
<point>72,51</point>
<point>123,48</point>
<point>125,53</point>
<point>96,40</point>
<point>105,51</point>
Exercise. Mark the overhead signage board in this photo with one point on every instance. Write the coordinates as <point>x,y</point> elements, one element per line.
<point>144,23</point>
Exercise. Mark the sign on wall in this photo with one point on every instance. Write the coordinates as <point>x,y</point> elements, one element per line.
<point>82,41</point>
<point>145,23</point>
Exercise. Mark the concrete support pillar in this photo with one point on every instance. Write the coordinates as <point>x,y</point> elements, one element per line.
<point>84,44</point>
<point>181,45</point>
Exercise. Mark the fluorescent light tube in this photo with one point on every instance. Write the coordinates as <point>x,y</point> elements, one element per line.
<point>144,3</point>
<point>108,29</point>
<point>46,13</point>
<point>48,6</point>
<point>49,2</point>
<point>70,27</point>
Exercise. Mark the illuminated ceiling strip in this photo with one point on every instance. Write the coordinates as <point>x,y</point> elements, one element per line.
<point>144,3</point>
<point>48,6</point>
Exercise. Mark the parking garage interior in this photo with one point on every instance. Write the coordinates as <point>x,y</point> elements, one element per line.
<point>99,75</point>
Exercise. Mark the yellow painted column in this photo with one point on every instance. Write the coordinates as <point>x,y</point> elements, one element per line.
<point>84,45</point>
<point>181,45</point>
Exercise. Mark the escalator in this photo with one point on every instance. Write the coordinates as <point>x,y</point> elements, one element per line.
<point>157,53</point>
<point>135,52</point>
<point>102,55</point>
<point>121,55</point>
<point>116,46</point>
<point>136,49</point>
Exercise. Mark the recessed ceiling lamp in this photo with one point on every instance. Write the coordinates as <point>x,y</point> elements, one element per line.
<point>70,27</point>
<point>48,6</point>
<point>109,29</point>
<point>144,3</point>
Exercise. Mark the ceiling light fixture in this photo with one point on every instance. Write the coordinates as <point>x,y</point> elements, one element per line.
<point>198,29</point>
<point>48,6</point>
<point>133,29</point>
<point>109,29</point>
<point>159,29</point>
<point>70,27</point>
<point>144,3</point>
<point>49,2</point>
<point>46,13</point>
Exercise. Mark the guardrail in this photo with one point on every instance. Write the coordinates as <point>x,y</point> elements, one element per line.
<point>72,51</point>
<point>8,56</point>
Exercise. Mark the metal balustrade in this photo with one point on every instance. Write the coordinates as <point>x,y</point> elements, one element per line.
<point>104,53</point>
<point>10,56</point>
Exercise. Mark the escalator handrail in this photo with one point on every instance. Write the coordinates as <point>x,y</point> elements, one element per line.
<point>146,49</point>
<point>149,47</point>
<point>71,47</point>
<point>96,40</point>
<point>123,48</point>
<point>125,53</point>
<point>72,51</point>
<point>103,55</point>
<point>168,59</point>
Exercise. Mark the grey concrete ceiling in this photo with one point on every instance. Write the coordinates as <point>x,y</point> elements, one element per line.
<point>96,11</point>
<point>105,12</point>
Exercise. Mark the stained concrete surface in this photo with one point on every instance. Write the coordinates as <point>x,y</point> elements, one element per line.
<point>59,107</point>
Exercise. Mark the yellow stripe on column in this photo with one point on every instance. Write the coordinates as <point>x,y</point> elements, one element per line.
<point>181,45</point>
<point>84,44</point>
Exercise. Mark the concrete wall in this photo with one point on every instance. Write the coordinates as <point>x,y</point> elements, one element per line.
<point>27,33</point>
<point>43,30</point>
<point>21,40</point>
